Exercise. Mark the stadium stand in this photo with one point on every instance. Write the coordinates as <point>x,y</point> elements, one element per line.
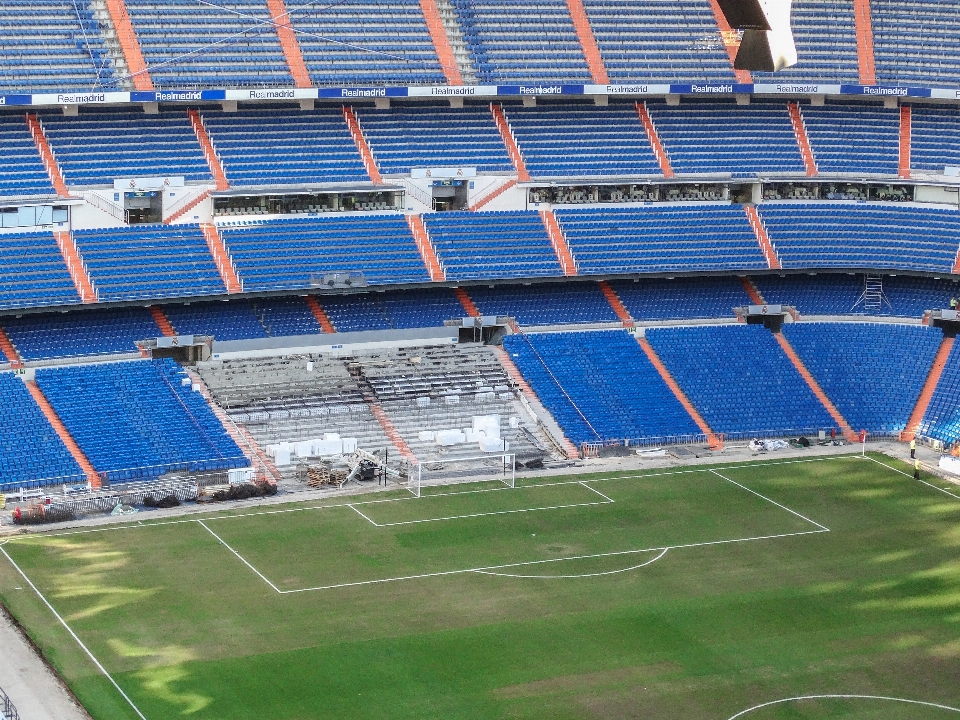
<point>297,253</point>
<point>661,239</point>
<point>681,298</point>
<point>224,321</point>
<point>826,37</point>
<point>426,136</point>
<point>652,41</point>
<point>22,173</point>
<point>599,386</point>
<point>852,138</point>
<point>723,137</point>
<point>545,304</point>
<point>822,235</point>
<point>426,307</point>
<point>31,453</point>
<point>285,146</point>
<point>827,294</point>
<point>942,419</point>
<point>53,45</point>
<point>33,272</point>
<point>285,316</point>
<point>582,140</point>
<point>136,420</point>
<point>873,374</point>
<point>190,45</point>
<point>530,43</point>
<point>96,148</point>
<point>149,261</point>
<point>935,138</point>
<point>491,245</point>
<point>916,42</point>
<point>108,331</point>
<point>740,380</point>
<point>365,42</point>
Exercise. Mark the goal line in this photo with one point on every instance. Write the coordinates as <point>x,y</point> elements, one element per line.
<point>479,468</point>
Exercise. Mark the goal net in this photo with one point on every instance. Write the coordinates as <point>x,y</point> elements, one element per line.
<point>482,468</point>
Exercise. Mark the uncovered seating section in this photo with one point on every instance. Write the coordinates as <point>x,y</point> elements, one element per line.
<point>33,272</point>
<point>136,420</point>
<point>608,378</point>
<point>110,331</point>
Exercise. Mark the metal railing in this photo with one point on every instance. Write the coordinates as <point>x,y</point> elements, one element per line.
<point>7,710</point>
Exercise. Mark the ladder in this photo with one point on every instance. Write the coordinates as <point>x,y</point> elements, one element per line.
<point>872,299</point>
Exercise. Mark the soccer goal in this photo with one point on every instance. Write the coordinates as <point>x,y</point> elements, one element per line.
<point>482,468</point>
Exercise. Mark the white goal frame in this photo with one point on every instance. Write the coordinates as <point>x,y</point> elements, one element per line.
<point>505,471</point>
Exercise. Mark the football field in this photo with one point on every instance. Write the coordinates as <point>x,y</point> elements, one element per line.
<point>812,588</point>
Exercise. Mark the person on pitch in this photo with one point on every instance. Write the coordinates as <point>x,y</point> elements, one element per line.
<point>913,449</point>
<point>916,469</point>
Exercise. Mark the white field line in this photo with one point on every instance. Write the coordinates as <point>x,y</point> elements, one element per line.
<point>242,559</point>
<point>764,497</point>
<point>583,575</point>
<point>240,515</point>
<point>595,490</point>
<point>842,697</point>
<point>551,560</point>
<point>924,482</point>
<point>495,512</point>
<point>63,622</point>
<point>363,516</point>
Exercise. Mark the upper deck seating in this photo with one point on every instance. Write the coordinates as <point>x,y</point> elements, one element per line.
<point>916,43</point>
<point>365,42</point>
<point>22,173</point>
<point>33,272</point>
<point>192,45</point>
<point>285,146</point>
<point>582,140</point>
<point>521,42</point>
<point>853,138</point>
<point>97,148</point>
<point>935,138</point>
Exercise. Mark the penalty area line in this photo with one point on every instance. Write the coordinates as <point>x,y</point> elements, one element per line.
<point>79,642</point>
<point>774,502</point>
<point>486,514</point>
<point>240,557</point>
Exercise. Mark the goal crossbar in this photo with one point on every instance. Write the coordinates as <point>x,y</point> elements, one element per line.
<point>478,468</point>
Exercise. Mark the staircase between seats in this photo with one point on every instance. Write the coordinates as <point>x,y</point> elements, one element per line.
<point>166,327</point>
<point>513,150</point>
<point>755,297</point>
<point>654,139</point>
<point>209,152</point>
<point>865,56</point>
<point>320,314</point>
<point>713,440</point>
<point>803,140</point>
<point>448,16</point>
<point>441,42</point>
<point>9,351</point>
<point>76,266</point>
<point>588,42</point>
<point>559,242</point>
<point>814,386</point>
<point>769,253</point>
<point>289,43</point>
<point>929,387</point>
<point>129,44</point>
<point>51,415</point>
<point>467,303</point>
<point>366,154</point>
<point>46,155</point>
<point>618,307</point>
<point>496,192</point>
<point>228,272</point>
<point>906,123</point>
<point>370,398</point>
<point>426,248</point>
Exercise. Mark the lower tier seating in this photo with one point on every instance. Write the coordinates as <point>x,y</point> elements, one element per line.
<point>548,304</point>
<point>31,452</point>
<point>111,331</point>
<point>599,386</point>
<point>872,373</point>
<point>136,420</point>
<point>942,419</point>
<point>740,380</point>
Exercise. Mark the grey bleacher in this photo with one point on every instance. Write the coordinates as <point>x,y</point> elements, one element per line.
<point>404,378</point>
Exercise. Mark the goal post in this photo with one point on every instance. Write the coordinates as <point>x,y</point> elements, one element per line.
<point>451,471</point>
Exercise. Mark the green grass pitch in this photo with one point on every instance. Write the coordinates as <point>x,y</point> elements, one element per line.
<point>697,593</point>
